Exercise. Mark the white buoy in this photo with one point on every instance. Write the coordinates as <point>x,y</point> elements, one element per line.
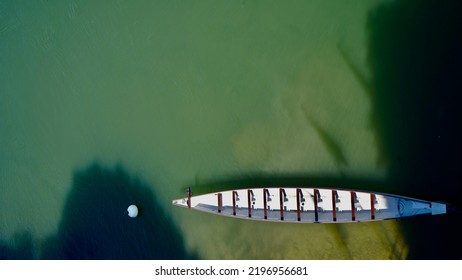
<point>132,211</point>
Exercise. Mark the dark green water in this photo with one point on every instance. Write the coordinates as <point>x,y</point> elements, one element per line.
<point>415,59</point>
<point>102,106</point>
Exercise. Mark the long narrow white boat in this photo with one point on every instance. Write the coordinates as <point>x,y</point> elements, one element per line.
<point>309,205</point>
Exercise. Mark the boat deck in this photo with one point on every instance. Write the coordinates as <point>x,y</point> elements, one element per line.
<point>309,205</point>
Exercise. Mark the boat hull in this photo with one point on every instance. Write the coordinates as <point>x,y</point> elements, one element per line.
<point>309,205</point>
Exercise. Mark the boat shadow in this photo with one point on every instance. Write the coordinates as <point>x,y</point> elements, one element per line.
<point>255,180</point>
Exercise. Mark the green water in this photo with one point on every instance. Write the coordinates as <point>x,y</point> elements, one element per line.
<point>186,93</point>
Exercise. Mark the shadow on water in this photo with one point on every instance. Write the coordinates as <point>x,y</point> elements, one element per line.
<point>415,58</point>
<point>20,248</point>
<point>255,180</point>
<point>95,224</point>
<point>340,234</point>
<point>331,145</point>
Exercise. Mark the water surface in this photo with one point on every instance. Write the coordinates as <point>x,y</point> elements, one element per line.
<point>210,94</point>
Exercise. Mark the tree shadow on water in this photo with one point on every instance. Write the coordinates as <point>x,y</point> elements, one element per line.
<point>21,247</point>
<point>415,58</point>
<point>95,224</point>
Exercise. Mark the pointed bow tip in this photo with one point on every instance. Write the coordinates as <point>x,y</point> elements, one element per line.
<point>438,208</point>
<point>182,202</point>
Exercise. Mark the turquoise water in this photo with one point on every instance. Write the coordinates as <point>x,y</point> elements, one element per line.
<point>199,93</point>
